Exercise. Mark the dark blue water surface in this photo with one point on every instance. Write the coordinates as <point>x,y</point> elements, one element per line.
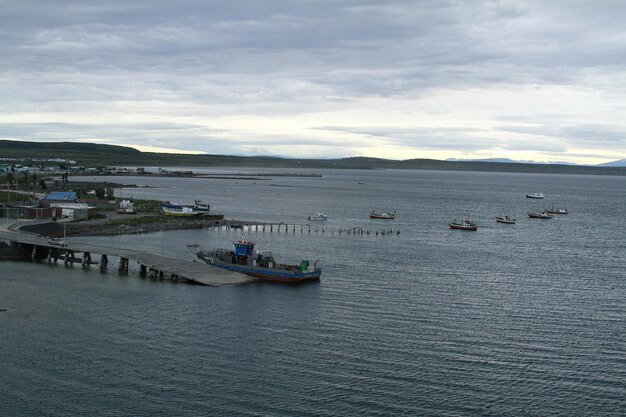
<point>528,319</point>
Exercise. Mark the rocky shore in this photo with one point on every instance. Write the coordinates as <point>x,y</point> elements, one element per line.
<point>128,225</point>
<point>152,224</point>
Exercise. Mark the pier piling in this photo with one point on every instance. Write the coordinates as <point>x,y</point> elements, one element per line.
<point>86,259</point>
<point>123,266</point>
<point>104,260</point>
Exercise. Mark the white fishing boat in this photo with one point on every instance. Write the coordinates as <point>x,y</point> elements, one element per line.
<point>385,215</point>
<point>505,219</point>
<point>542,215</point>
<point>179,212</point>
<point>534,195</point>
<point>317,216</point>
<point>557,210</point>
<point>464,224</point>
<point>197,207</point>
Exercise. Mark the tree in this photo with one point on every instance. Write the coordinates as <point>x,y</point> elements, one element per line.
<point>100,193</point>
<point>42,184</point>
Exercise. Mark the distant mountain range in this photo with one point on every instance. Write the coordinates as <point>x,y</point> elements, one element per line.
<point>618,163</point>
<point>92,155</point>
<point>511,161</point>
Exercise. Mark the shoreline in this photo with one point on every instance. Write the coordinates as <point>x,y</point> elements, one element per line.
<point>108,227</point>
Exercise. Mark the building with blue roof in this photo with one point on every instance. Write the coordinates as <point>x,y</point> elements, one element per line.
<point>60,197</point>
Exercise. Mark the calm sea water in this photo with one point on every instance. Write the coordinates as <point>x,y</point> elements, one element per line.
<point>526,319</point>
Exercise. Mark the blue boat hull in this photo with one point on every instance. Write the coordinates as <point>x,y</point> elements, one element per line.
<point>277,275</point>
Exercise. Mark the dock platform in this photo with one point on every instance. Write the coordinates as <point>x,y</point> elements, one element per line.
<point>151,264</point>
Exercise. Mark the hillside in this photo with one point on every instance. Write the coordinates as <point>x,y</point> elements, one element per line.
<point>91,154</point>
<point>618,163</point>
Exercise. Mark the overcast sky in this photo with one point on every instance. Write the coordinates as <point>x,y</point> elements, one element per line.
<point>399,79</point>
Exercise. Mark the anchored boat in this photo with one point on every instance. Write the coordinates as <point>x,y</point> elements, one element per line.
<point>318,216</point>
<point>385,215</point>
<point>505,219</point>
<point>258,264</point>
<point>463,225</point>
<point>557,210</point>
<point>534,195</point>
<point>543,215</point>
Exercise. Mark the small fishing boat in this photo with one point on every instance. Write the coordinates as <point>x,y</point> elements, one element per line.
<point>542,215</point>
<point>463,225</point>
<point>505,219</point>
<point>197,207</point>
<point>556,210</point>
<point>179,212</point>
<point>534,195</point>
<point>385,215</point>
<point>258,264</point>
<point>318,216</point>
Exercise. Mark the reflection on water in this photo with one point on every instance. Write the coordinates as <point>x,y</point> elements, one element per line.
<point>523,319</point>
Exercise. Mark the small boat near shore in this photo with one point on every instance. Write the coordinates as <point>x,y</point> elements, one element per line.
<point>385,215</point>
<point>463,225</point>
<point>318,217</point>
<point>534,195</point>
<point>542,215</point>
<point>180,212</point>
<point>197,207</point>
<point>258,264</point>
<point>505,219</point>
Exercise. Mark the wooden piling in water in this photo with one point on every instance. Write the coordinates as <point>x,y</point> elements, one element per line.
<point>104,260</point>
<point>86,259</point>
<point>123,266</point>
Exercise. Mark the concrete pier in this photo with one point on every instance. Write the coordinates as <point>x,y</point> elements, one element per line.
<point>159,266</point>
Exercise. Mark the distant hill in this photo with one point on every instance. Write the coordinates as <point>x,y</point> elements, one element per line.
<point>618,163</point>
<point>512,161</point>
<point>92,154</point>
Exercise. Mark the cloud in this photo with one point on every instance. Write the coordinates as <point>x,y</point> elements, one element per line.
<point>210,63</point>
<point>583,135</point>
<point>422,138</point>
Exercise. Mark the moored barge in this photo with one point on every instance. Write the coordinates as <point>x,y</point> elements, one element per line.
<point>262,265</point>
